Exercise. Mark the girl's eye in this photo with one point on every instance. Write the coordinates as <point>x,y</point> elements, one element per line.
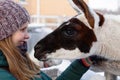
<point>23,29</point>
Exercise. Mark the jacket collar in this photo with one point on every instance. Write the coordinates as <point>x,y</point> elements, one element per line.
<point>3,61</point>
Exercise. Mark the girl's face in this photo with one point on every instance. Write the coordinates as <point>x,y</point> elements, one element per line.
<point>21,35</point>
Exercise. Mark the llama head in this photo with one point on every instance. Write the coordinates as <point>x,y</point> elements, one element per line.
<point>77,32</point>
<point>91,18</point>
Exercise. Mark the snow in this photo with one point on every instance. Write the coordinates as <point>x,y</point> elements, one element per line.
<point>91,75</point>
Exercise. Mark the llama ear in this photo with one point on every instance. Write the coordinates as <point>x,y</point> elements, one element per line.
<point>102,19</point>
<point>82,6</point>
<point>75,7</point>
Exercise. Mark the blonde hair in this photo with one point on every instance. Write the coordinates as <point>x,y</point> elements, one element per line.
<point>19,66</point>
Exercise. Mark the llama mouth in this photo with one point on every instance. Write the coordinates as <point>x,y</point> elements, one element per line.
<point>45,54</point>
<point>42,56</point>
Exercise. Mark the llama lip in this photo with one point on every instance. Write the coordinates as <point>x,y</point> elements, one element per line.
<point>38,54</point>
<point>50,51</point>
<point>41,55</point>
<point>43,58</point>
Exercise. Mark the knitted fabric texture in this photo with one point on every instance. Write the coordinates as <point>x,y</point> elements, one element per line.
<point>12,17</point>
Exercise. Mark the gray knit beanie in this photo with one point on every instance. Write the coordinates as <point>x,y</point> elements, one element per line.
<point>12,17</point>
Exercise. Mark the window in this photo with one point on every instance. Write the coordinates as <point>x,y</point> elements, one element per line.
<point>22,0</point>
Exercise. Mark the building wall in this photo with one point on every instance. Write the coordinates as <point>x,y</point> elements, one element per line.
<point>30,5</point>
<point>56,7</point>
<point>49,7</point>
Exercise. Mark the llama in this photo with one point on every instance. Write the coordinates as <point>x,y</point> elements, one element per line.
<point>91,33</point>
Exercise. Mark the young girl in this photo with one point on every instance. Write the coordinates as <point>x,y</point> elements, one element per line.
<point>14,61</point>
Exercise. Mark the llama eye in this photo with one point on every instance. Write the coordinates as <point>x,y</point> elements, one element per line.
<point>69,32</point>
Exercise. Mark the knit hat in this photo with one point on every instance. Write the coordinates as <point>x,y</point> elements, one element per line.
<point>12,17</point>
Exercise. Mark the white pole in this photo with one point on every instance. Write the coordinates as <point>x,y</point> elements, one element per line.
<point>38,11</point>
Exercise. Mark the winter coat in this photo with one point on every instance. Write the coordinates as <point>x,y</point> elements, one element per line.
<point>73,72</point>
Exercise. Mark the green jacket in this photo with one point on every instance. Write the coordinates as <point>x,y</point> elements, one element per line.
<point>73,72</point>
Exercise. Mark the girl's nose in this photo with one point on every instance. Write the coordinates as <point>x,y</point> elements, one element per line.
<point>27,36</point>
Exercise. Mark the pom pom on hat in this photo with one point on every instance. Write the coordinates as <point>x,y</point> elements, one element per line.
<point>12,17</point>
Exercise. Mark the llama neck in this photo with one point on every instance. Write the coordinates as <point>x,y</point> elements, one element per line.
<point>108,40</point>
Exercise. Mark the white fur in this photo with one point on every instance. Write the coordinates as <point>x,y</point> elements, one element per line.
<point>96,17</point>
<point>83,19</point>
<point>108,39</point>
<point>108,35</point>
<point>67,54</point>
<point>107,45</point>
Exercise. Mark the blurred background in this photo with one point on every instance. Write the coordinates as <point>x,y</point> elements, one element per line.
<point>62,7</point>
<point>47,15</point>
